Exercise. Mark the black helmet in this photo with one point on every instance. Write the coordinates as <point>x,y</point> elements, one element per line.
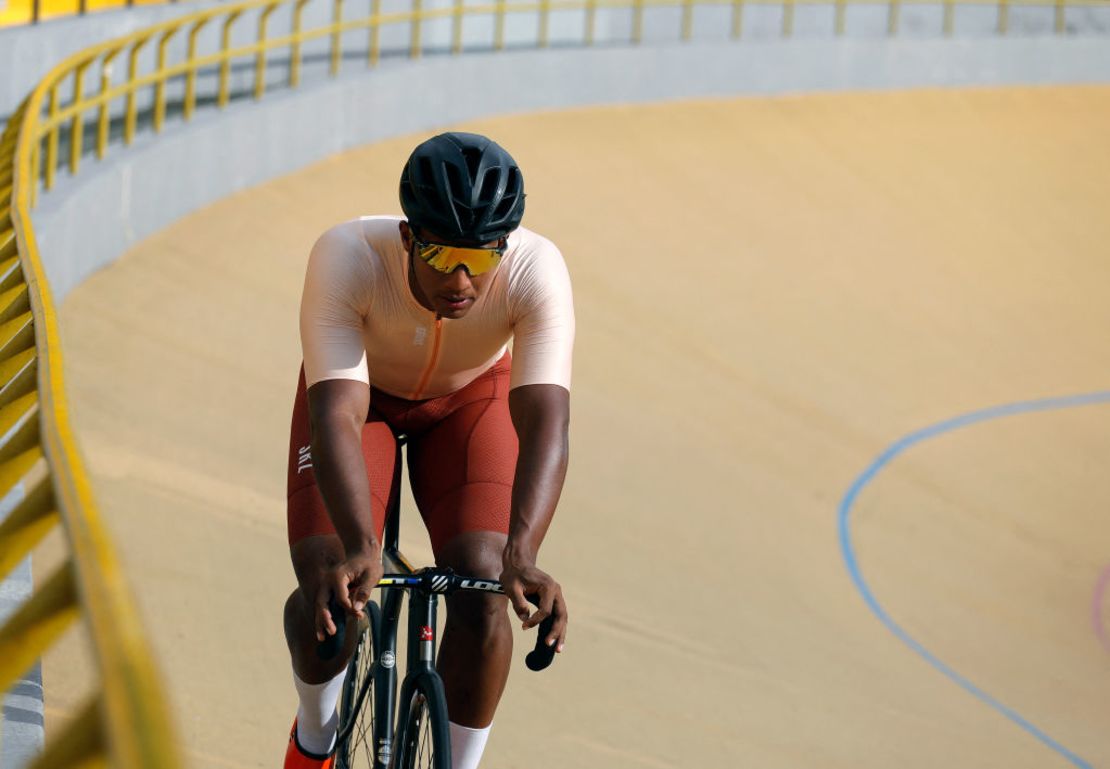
<point>463,187</point>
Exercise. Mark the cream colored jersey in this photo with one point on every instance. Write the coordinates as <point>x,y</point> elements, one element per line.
<point>360,320</point>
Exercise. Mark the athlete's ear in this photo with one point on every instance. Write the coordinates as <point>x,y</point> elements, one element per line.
<point>406,234</point>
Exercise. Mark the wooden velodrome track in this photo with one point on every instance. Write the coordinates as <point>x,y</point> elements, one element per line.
<point>770,293</point>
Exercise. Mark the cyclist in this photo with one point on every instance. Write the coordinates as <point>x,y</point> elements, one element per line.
<point>405,324</point>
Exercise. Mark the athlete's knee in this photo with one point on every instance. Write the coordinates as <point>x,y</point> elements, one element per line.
<point>295,616</point>
<point>483,617</point>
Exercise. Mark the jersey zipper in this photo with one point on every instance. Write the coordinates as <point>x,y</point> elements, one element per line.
<point>427,375</point>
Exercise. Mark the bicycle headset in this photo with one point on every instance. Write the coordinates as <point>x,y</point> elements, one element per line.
<point>463,187</point>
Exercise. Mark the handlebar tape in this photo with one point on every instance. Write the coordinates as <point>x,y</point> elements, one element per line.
<point>540,657</point>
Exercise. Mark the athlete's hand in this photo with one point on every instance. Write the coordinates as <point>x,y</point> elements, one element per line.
<point>521,579</point>
<point>351,582</point>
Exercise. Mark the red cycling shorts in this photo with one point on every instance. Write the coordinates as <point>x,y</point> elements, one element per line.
<point>462,452</point>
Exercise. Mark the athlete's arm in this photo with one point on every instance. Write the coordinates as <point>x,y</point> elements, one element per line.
<point>338,410</point>
<point>541,416</point>
<point>338,292</point>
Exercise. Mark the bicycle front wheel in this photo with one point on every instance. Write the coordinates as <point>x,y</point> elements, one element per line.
<point>356,748</point>
<point>423,740</point>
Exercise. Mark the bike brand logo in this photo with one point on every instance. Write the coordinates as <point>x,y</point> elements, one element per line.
<point>479,584</point>
<point>388,660</point>
<point>384,752</point>
<point>426,633</point>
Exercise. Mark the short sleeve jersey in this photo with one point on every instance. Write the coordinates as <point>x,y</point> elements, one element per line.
<point>361,321</point>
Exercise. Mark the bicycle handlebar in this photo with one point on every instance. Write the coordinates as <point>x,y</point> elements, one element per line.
<point>440,581</point>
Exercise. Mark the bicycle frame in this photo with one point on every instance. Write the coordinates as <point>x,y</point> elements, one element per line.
<point>420,656</point>
<point>424,590</point>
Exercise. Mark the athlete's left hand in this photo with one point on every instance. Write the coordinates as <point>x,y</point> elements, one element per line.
<point>523,578</point>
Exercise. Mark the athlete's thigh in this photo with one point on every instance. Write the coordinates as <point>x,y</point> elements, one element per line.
<point>307,517</point>
<point>462,471</point>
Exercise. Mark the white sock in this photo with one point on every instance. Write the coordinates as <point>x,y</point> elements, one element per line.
<point>467,745</point>
<point>317,721</point>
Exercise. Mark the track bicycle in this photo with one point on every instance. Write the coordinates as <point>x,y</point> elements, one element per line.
<point>379,728</point>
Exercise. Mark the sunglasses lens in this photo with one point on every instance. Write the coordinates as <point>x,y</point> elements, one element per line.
<point>448,258</point>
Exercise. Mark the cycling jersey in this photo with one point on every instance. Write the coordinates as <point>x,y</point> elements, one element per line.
<point>360,320</point>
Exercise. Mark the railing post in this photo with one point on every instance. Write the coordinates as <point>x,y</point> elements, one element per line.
<point>591,20</point>
<point>52,139</point>
<point>77,125</point>
<point>414,40</point>
<point>456,26</point>
<point>80,744</point>
<point>38,623</point>
<point>893,10</point>
<point>336,37</point>
<point>687,19</point>
<point>295,46</point>
<point>499,25</point>
<point>224,94</point>
<point>132,117</point>
<point>102,122</point>
<point>191,74</point>
<point>949,17</point>
<point>841,13</point>
<point>637,21</point>
<point>33,518</point>
<point>787,18</point>
<point>375,31</point>
<point>36,168</point>
<point>1003,17</point>
<point>160,86</point>
<point>1061,6</point>
<point>545,23</point>
<point>737,19</point>
<point>260,59</point>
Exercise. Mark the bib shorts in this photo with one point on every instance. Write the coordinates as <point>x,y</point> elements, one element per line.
<point>461,455</point>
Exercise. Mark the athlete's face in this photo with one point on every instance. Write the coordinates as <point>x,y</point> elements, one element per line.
<point>449,295</point>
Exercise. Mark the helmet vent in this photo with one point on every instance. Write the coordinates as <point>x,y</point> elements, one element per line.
<point>488,192</point>
<point>472,156</point>
<point>509,199</point>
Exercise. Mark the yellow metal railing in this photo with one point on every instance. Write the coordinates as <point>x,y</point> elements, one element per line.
<point>19,12</point>
<point>126,724</point>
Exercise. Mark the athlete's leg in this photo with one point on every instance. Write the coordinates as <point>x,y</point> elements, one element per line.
<point>477,643</point>
<point>318,682</point>
<point>314,549</point>
<point>312,557</point>
<point>462,474</point>
<point>476,648</point>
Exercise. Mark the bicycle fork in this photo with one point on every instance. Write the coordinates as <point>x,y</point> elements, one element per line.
<point>420,660</point>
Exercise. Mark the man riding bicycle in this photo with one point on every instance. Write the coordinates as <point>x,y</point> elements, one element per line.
<point>405,325</point>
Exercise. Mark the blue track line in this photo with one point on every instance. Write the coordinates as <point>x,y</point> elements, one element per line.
<point>884,459</point>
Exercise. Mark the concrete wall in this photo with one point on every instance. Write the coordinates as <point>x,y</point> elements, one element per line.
<point>90,220</point>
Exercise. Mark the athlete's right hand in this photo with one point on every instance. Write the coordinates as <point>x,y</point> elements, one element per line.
<point>351,582</point>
